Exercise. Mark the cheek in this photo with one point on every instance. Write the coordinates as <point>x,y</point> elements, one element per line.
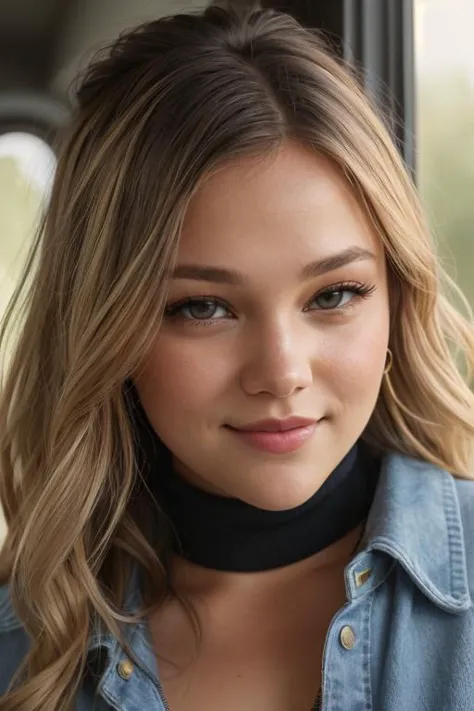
<point>181,377</point>
<point>354,363</point>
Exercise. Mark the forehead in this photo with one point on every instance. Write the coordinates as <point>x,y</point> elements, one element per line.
<point>284,210</point>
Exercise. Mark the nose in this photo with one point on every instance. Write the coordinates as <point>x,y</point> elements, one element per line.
<point>278,362</point>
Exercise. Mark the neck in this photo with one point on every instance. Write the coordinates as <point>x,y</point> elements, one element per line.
<point>230,535</point>
<point>196,581</point>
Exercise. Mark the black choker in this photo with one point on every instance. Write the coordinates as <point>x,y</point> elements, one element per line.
<point>228,534</point>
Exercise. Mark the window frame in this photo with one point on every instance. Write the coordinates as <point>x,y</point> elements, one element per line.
<point>34,113</point>
<point>377,37</point>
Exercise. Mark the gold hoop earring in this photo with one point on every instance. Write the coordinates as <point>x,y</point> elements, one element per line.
<point>389,363</point>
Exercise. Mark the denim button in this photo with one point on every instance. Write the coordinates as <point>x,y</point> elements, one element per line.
<point>347,637</point>
<point>362,577</point>
<point>125,669</point>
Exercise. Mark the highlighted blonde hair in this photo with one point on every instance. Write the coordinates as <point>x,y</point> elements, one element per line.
<point>168,104</point>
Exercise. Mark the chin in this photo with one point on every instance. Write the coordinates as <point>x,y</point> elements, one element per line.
<point>275,486</point>
<point>280,499</point>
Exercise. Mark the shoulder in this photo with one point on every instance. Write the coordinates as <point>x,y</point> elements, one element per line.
<point>465,496</point>
<point>8,618</point>
<point>14,641</point>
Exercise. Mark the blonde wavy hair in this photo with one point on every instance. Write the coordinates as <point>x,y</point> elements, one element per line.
<point>167,104</point>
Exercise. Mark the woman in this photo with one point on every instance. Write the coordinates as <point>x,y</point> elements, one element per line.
<point>235,440</point>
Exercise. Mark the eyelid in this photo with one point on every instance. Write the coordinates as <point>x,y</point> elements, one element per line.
<point>357,287</point>
<point>173,309</point>
<point>198,299</point>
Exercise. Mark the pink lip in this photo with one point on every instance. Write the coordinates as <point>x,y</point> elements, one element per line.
<point>276,425</point>
<point>276,442</point>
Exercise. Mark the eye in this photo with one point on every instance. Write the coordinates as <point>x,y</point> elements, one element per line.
<point>341,296</point>
<point>197,310</point>
<point>334,299</point>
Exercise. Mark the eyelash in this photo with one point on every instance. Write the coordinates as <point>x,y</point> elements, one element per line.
<point>359,290</point>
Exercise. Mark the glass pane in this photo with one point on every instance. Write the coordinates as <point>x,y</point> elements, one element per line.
<point>26,170</point>
<point>445,128</point>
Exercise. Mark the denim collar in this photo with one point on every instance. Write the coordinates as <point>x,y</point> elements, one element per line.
<point>415,520</point>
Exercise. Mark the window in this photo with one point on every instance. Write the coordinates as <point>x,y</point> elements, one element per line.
<point>26,170</point>
<point>444,61</point>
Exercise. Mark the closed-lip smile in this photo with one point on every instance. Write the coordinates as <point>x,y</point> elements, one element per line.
<point>276,436</point>
<point>276,425</point>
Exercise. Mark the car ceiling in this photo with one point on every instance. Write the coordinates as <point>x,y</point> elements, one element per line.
<point>43,43</point>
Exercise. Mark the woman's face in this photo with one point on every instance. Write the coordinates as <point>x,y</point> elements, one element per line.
<point>289,317</point>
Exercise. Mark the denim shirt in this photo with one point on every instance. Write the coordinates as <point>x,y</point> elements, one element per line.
<point>404,639</point>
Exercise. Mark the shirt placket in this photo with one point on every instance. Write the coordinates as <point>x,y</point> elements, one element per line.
<point>128,686</point>
<point>346,676</point>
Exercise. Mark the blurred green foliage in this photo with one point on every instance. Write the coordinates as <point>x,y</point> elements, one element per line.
<point>20,204</point>
<point>445,140</point>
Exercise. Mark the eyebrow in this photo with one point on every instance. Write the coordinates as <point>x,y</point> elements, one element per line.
<point>219,275</point>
